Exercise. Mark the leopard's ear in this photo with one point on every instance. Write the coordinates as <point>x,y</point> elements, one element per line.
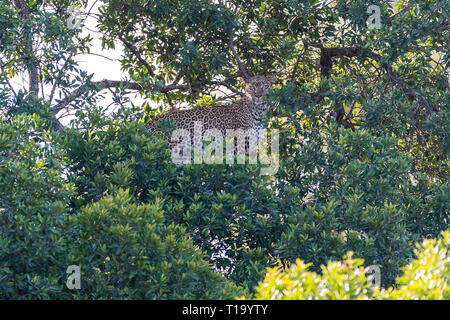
<point>272,80</point>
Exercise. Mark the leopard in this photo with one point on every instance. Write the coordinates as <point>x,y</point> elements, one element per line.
<point>246,113</point>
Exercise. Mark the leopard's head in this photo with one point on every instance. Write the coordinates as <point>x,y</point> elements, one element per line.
<point>257,87</point>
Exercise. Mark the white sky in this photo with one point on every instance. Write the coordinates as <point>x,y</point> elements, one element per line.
<point>96,63</point>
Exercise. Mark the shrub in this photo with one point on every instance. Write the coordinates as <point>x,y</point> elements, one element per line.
<point>427,276</point>
<point>222,207</point>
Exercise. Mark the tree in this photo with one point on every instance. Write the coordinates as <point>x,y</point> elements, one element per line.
<point>362,114</point>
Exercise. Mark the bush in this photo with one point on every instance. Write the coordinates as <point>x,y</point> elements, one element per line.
<point>33,211</point>
<point>426,277</point>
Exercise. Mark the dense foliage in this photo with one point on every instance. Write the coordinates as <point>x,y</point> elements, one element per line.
<point>364,155</point>
<point>426,277</point>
